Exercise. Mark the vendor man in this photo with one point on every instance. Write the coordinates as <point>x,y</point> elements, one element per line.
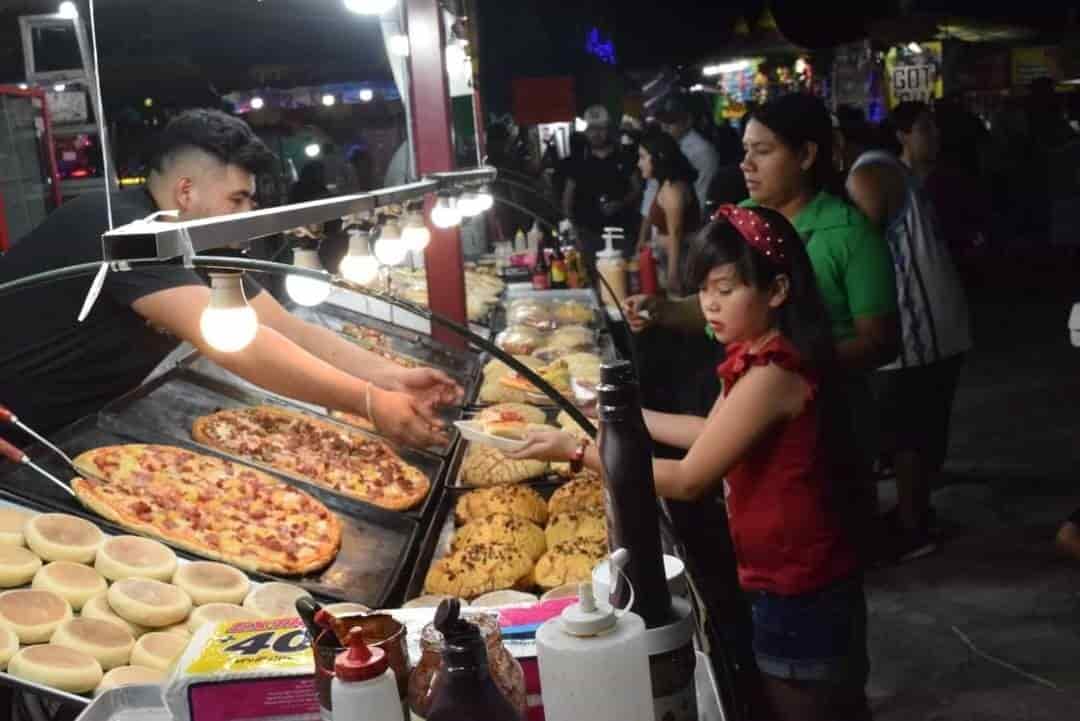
<point>54,370</point>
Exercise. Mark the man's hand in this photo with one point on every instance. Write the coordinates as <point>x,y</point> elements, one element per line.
<point>406,420</point>
<point>427,385</point>
<point>554,446</point>
<point>642,311</point>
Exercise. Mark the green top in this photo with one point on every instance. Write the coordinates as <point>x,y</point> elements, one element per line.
<point>851,260</point>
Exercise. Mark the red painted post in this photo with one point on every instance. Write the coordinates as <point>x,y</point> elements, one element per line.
<point>432,123</point>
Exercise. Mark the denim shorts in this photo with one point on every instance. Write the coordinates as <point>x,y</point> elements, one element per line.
<point>818,636</point>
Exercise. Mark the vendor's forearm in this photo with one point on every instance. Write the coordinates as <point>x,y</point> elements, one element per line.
<point>674,430</point>
<point>276,363</point>
<point>344,355</point>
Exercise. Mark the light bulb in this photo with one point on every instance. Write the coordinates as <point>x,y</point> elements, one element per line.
<point>228,324</point>
<point>370,7</point>
<point>257,103</point>
<point>399,45</point>
<point>485,199</point>
<point>312,150</point>
<point>59,87</point>
<point>390,249</point>
<point>445,214</point>
<point>304,290</point>
<point>416,235</point>
<point>469,204</point>
<point>367,95</point>
<point>359,265</point>
<point>455,57</point>
<point>328,100</point>
<point>68,10</point>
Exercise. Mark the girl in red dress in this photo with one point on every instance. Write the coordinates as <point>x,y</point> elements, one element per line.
<point>777,444</point>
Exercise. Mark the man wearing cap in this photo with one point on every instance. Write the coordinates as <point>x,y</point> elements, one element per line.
<point>601,189</point>
<point>677,120</point>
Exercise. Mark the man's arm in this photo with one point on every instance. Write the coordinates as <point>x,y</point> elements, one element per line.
<point>276,363</point>
<point>673,205</point>
<point>568,198</point>
<point>876,343</point>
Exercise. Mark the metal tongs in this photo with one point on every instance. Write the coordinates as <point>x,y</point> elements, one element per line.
<point>15,455</point>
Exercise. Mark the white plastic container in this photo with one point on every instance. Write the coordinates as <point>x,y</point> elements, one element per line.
<point>364,687</point>
<point>612,266</point>
<point>594,664</point>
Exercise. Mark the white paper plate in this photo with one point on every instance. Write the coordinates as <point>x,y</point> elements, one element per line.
<point>474,431</point>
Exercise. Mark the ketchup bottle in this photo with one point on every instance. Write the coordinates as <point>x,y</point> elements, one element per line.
<point>650,285</point>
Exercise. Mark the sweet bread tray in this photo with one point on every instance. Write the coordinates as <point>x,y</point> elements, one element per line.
<point>171,403</point>
<point>376,544</point>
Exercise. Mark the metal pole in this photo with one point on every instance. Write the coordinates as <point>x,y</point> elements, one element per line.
<point>432,121</point>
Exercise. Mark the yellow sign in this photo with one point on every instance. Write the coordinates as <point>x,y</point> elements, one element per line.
<point>277,644</point>
<point>1033,63</point>
<point>913,72</point>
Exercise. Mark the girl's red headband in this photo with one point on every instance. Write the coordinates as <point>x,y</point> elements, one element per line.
<point>756,231</point>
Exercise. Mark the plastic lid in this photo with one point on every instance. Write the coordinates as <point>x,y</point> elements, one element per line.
<point>361,662</point>
<point>585,618</point>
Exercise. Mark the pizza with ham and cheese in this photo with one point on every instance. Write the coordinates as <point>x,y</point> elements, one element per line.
<point>209,506</point>
<point>375,342</point>
<point>317,451</point>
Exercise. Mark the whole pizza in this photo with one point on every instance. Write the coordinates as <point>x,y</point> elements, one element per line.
<point>375,342</point>
<point>317,451</point>
<point>210,506</point>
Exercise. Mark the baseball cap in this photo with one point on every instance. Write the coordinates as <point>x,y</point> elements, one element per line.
<point>597,115</point>
<point>673,107</point>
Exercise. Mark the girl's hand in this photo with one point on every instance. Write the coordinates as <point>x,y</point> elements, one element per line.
<point>554,446</point>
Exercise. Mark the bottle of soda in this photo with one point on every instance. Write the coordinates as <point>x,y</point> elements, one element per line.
<point>541,272</point>
<point>558,269</point>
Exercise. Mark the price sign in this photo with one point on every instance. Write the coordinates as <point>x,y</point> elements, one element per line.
<point>913,82</point>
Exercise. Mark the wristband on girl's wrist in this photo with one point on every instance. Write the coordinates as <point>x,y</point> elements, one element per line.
<point>577,460</point>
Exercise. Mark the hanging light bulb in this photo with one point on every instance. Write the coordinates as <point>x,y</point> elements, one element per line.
<point>446,214</point>
<point>370,7</point>
<point>399,45</point>
<point>359,265</point>
<point>469,204</point>
<point>228,324</point>
<point>257,103</point>
<point>485,198</point>
<point>328,99</point>
<point>390,248</point>
<point>304,290</point>
<point>68,10</point>
<point>366,95</point>
<point>312,150</point>
<point>416,234</point>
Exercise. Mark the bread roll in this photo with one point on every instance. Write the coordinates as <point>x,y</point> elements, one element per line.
<point>12,523</point>
<point>61,537</point>
<point>210,582</point>
<point>274,599</point>
<point>129,676</point>
<point>158,650</point>
<point>61,668</point>
<point>33,615</point>
<point>18,565</point>
<point>123,557</point>
<point>216,613</point>
<point>73,582</point>
<point>150,603</point>
<point>98,607</point>
<point>106,641</point>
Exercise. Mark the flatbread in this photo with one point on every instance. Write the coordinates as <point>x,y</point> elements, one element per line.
<point>123,557</point>
<point>149,603</point>
<point>487,466</point>
<point>33,615</point>
<point>129,676</point>
<point>211,582</point>
<point>18,565</point>
<point>216,613</point>
<point>107,642</point>
<point>274,599</point>
<point>63,537</point>
<point>73,582</point>
<point>9,646</point>
<point>98,607</point>
<point>12,522</point>
<point>158,650</point>
<point>58,667</point>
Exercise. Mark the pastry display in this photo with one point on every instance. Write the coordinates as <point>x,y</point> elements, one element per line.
<point>33,615</point>
<point>129,676</point>
<point>218,612</point>
<point>318,451</point>
<point>204,504</point>
<point>12,522</point>
<point>502,528</point>
<point>9,646</point>
<point>62,668</point>
<point>149,603</point>
<point>569,562</point>
<point>479,569</point>
<point>573,312</point>
<point>107,642</point>
<point>487,466</point>
<point>211,582</point>
<point>519,340</point>
<point>61,537</point>
<point>73,582</point>
<point>532,313</point>
<point>576,524</point>
<point>572,337</point>
<point>123,557</point>
<point>585,493</point>
<point>519,501</point>
<point>274,599</point>
<point>158,650</point>
<point>98,607</point>
<point>18,566</point>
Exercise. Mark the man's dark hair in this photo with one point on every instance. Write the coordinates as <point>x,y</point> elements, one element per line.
<point>222,136</point>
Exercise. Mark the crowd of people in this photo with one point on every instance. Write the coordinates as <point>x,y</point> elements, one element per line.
<point>835,296</point>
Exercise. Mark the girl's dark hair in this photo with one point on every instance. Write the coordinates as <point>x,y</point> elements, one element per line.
<point>798,119</point>
<point>803,319</point>
<point>668,160</point>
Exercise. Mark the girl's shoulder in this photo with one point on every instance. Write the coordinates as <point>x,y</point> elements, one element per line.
<point>674,191</point>
<point>778,352</point>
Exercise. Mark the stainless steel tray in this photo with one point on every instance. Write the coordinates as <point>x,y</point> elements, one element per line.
<point>128,703</point>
